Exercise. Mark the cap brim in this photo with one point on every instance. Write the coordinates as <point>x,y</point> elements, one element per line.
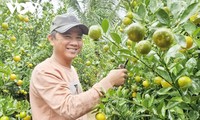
<point>65,28</point>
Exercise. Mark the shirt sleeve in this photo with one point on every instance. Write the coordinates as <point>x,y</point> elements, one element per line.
<point>56,93</point>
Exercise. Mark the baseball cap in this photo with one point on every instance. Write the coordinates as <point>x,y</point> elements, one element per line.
<point>64,22</point>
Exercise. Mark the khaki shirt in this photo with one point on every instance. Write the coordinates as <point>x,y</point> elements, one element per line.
<point>56,93</point>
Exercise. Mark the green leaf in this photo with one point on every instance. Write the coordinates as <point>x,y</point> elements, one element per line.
<point>172,104</point>
<point>170,116</point>
<point>142,11</point>
<point>116,37</point>
<point>176,8</point>
<point>178,110</point>
<point>187,99</point>
<point>195,34</point>
<point>145,103</point>
<point>197,73</point>
<point>177,69</point>
<point>151,101</point>
<point>162,72</point>
<point>189,27</point>
<point>195,88</point>
<point>191,9</point>
<point>140,110</point>
<point>163,17</point>
<point>154,111</point>
<point>5,71</point>
<point>194,115</point>
<point>105,25</point>
<point>122,102</point>
<point>191,63</point>
<point>177,99</point>
<point>163,111</point>
<point>154,5</point>
<point>104,100</point>
<point>172,52</point>
<point>180,39</point>
<point>163,91</point>
<point>126,51</point>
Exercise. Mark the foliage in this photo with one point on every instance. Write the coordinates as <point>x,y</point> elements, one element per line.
<point>156,101</point>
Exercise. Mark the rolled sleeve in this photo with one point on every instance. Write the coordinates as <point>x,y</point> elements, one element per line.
<point>56,93</point>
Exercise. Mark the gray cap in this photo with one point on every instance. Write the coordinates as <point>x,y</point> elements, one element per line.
<point>64,22</point>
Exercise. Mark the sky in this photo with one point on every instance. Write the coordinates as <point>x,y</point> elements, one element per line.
<point>22,8</point>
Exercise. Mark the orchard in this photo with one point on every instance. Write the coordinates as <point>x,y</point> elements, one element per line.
<point>159,40</point>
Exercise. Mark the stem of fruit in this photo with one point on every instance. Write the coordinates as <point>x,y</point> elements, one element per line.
<point>113,54</point>
<point>145,64</point>
<point>111,41</point>
<point>170,75</point>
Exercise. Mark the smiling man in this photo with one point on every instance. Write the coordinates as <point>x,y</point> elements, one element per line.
<point>55,90</point>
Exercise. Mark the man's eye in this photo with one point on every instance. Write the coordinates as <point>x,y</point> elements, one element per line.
<point>79,38</point>
<point>67,36</point>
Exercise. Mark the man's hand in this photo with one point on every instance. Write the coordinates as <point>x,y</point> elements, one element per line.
<point>117,77</point>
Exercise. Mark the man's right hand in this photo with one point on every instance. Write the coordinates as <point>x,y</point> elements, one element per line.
<point>117,77</point>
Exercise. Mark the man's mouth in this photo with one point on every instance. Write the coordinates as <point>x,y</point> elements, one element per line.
<point>73,50</point>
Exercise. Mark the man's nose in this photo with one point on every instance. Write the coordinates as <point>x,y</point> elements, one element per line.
<point>74,42</point>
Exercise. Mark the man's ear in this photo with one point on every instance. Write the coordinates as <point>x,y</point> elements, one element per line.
<point>50,39</point>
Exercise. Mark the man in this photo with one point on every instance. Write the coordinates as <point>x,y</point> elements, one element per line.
<point>55,90</point>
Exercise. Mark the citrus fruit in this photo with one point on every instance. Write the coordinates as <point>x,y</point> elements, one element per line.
<point>157,80</point>
<point>121,29</point>
<point>143,47</point>
<point>4,118</point>
<point>88,63</point>
<point>165,84</point>
<point>30,65</point>
<point>21,17</point>
<point>145,83</point>
<point>127,21</point>
<point>95,32</point>
<point>182,50</point>
<point>26,19</point>
<point>136,32</point>
<point>134,60</point>
<point>100,116</point>
<point>13,77</point>
<point>197,21</point>
<point>189,42</point>
<point>112,59</point>
<point>184,81</point>
<point>134,87</point>
<point>129,15</point>
<point>134,3</point>
<point>105,48</point>
<point>19,82</point>
<point>163,37</point>
<point>4,25</point>
<point>22,114</point>
<point>193,17</point>
<point>129,47</point>
<point>13,38</point>
<point>166,9</point>
<point>137,78</point>
<point>129,42</point>
<point>134,94</point>
<point>17,58</point>
<point>28,117</point>
<point>25,92</point>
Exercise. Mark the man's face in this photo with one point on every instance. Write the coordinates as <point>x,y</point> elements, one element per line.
<point>69,44</point>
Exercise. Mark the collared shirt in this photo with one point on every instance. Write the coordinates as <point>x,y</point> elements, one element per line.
<point>56,93</point>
